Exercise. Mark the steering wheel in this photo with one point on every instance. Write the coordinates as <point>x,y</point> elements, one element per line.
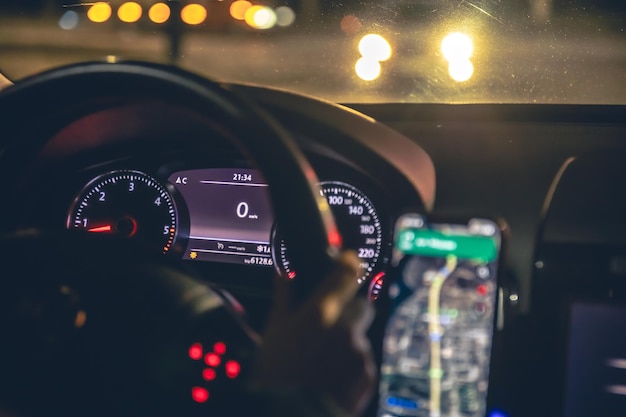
<point>102,326</point>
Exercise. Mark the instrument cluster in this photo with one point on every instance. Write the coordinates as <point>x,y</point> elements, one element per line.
<point>218,215</point>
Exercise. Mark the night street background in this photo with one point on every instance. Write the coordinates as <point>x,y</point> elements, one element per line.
<point>574,54</point>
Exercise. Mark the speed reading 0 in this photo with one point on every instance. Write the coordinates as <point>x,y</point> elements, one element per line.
<point>358,224</point>
<point>242,210</point>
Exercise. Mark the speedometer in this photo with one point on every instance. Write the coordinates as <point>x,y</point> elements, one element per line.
<point>358,224</point>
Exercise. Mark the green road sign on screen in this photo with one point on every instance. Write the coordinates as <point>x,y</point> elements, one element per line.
<point>426,242</point>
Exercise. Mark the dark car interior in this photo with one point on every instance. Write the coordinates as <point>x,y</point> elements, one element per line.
<point>107,320</point>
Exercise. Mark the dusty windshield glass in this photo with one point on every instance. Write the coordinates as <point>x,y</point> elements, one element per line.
<point>528,51</point>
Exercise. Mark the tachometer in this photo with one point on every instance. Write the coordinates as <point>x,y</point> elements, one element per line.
<point>126,203</point>
<point>358,224</point>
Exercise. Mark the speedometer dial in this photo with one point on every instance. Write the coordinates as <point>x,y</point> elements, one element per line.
<point>358,224</point>
<point>126,203</point>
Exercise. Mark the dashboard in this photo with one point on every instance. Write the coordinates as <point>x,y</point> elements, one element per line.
<point>144,169</point>
<point>218,219</point>
<point>148,171</point>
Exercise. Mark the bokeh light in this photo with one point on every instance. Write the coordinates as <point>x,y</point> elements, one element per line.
<point>193,14</point>
<point>219,348</point>
<point>129,12</point>
<point>209,374</point>
<point>69,20</point>
<point>159,12</point>
<point>367,69</point>
<point>260,17</point>
<point>238,9</point>
<point>212,359</point>
<point>285,16</point>
<point>375,47</point>
<point>195,351</point>
<point>232,369</point>
<point>99,12</point>
<point>350,24</point>
<point>457,47</point>
<point>461,70</point>
<point>200,394</point>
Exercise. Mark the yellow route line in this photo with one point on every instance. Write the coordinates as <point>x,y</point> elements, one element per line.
<point>435,332</point>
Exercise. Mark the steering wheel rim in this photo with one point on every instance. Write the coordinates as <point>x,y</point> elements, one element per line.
<point>25,111</point>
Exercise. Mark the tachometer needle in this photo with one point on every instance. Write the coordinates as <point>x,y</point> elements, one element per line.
<point>100,229</point>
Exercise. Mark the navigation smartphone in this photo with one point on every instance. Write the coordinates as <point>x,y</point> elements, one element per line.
<point>442,303</point>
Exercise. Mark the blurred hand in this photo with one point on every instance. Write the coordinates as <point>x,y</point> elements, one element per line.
<point>321,347</point>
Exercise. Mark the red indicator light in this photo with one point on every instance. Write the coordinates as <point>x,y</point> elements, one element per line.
<point>209,374</point>
<point>199,394</point>
<point>376,286</point>
<point>219,348</point>
<point>482,289</point>
<point>291,275</point>
<point>334,238</point>
<point>195,351</point>
<point>212,359</point>
<point>232,369</point>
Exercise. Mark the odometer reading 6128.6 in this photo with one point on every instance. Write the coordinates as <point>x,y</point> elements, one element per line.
<point>126,203</point>
<point>358,224</point>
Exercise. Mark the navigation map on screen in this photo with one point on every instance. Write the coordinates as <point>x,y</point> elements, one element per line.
<point>437,344</point>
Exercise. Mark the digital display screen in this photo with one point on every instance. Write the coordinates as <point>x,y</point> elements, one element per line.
<point>437,343</point>
<point>596,368</point>
<point>230,216</point>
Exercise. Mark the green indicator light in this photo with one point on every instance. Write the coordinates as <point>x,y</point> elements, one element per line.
<point>453,313</point>
<point>433,243</point>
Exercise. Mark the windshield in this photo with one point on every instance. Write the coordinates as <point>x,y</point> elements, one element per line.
<point>436,51</point>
